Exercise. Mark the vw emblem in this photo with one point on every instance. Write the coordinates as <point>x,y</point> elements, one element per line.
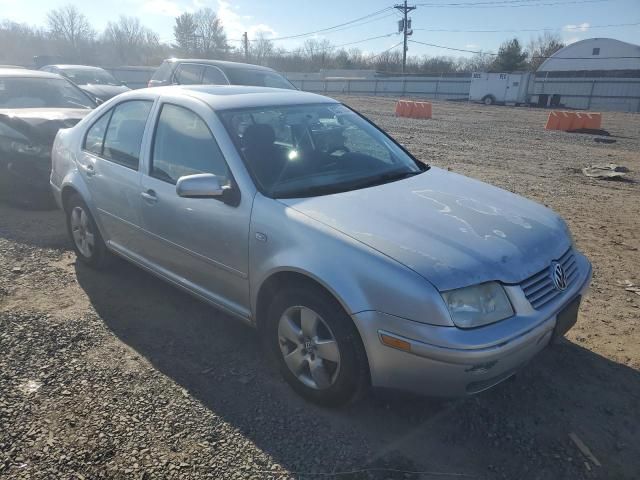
<point>559,276</point>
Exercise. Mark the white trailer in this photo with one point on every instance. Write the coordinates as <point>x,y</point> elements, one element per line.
<point>502,88</point>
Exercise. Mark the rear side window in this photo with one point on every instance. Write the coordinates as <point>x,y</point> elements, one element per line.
<point>123,138</point>
<point>213,76</point>
<point>94,140</point>
<point>189,74</point>
<point>163,72</point>
<point>184,145</point>
<point>258,78</point>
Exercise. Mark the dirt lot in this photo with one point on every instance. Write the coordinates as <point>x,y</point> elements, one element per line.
<point>116,375</point>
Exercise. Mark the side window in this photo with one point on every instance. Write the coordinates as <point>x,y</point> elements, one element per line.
<point>213,76</point>
<point>189,74</point>
<point>124,134</point>
<point>95,136</point>
<point>596,51</point>
<point>183,145</point>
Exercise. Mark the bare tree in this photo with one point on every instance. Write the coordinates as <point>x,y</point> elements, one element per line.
<point>131,41</point>
<point>20,43</point>
<point>542,47</point>
<point>69,26</point>
<point>261,49</point>
<point>211,39</point>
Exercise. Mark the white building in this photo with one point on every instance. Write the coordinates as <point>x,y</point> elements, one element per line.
<point>595,55</point>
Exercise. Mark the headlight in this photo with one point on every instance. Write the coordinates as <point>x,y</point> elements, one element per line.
<point>478,305</point>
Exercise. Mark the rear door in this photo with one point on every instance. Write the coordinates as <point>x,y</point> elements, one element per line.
<point>199,243</point>
<point>110,163</point>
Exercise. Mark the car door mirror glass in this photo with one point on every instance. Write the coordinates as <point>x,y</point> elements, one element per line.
<point>201,185</point>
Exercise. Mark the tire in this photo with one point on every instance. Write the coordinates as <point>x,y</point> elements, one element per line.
<point>489,100</point>
<point>84,234</point>
<point>332,383</point>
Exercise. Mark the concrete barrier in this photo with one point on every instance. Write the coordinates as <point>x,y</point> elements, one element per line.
<point>567,121</point>
<point>410,109</point>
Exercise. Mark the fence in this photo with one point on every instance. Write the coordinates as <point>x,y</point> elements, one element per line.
<point>597,93</point>
<point>438,88</point>
<point>584,93</point>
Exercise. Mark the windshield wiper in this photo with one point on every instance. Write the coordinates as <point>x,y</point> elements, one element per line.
<point>346,186</point>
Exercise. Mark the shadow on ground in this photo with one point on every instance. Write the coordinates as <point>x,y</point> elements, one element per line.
<point>520,428</point>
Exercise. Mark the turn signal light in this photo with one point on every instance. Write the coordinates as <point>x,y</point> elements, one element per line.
<point>395,342</point>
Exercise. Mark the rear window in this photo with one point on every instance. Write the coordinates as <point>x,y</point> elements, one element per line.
<point>258,78</point>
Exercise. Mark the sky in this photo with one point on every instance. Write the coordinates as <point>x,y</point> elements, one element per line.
<point>434,23</point>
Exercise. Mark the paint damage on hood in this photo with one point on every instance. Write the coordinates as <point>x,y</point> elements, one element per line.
<point>451,229</point>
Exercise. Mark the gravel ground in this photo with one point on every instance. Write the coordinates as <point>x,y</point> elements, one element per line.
<point>116,375</point>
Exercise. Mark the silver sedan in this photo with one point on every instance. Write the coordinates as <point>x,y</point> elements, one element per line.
<point>358,264</point>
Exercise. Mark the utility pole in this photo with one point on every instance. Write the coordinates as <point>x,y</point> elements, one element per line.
<point>406,30</point>
<point>245,43</point>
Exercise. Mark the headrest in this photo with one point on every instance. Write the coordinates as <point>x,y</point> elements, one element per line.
<point>258,136</point>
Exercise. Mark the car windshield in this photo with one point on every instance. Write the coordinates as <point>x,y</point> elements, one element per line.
<point>257,78</point>
<point>311,150</point>
<point>32,92</point>
<point>81,76</point>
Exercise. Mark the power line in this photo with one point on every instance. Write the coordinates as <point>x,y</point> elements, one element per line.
<point>534,56</point>
<point>565,27</point>
<point>349,23</point>
<point>365,40</point>
<point>385,51</point>
<point>506,4</point>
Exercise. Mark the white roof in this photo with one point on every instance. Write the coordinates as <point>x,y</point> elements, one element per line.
<point>594,54</point>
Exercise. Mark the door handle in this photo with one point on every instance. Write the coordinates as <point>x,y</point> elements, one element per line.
<point>149,196</point>
<point>89,170</point>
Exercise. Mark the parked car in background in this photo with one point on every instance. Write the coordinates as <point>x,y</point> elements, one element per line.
<point>33,106</point>
<point>94,80</point>
<point>357,263</point>
<point>176,71</point>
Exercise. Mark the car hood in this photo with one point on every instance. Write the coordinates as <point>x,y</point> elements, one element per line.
<point>40,125</point>
<point>104,92</point>
<point>452,230</point>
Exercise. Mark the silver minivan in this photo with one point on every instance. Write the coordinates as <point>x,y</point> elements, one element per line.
<point>358,264</point>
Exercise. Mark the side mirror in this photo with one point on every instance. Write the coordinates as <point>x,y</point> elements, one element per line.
<point>201,185</point>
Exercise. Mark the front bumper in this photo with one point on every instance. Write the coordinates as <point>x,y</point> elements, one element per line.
<point>451,362</point>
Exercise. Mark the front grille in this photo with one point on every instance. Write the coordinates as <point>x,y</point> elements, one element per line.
<point>540,289</point>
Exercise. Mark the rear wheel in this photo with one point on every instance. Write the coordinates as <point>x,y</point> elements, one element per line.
<point>317,346</point>
<point>489,100</point>
<point>85,236</point>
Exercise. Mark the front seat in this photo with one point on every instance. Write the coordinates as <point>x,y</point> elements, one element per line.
<point>263,157</point>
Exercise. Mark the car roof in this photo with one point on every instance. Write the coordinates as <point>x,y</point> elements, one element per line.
<point>228,97</point>
<point>220,63</point>
<point>23,72</point>
<point>75,67</point>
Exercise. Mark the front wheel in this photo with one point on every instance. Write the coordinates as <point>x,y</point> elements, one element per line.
<point>85,236</point>
<point>317,346</point>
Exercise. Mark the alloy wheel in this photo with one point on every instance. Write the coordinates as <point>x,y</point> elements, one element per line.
<point>83,237</point>
<point>309,347</point>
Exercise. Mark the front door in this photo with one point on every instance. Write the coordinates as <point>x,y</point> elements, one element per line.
<point>199,243</point>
